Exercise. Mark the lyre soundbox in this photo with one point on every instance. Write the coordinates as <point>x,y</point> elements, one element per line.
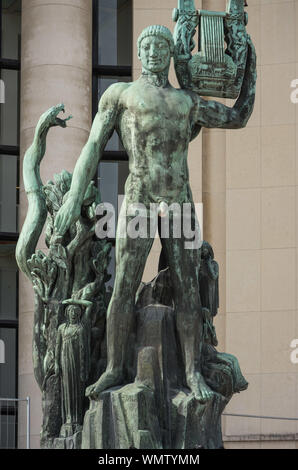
<point>218,68</point>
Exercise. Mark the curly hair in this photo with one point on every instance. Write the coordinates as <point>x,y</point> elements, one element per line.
<point>157,30</point>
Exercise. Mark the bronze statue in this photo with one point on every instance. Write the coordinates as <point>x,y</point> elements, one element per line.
<point>221,369</point>
<point>72,357</point>
<point>156,123</point>
<point>208,279</point>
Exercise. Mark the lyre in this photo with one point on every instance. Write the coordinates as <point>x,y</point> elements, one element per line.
<point>219,66</point>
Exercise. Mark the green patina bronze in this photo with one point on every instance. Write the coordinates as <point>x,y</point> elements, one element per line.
<point>156,123</point>
<point>72,356</point>
<point>218,69</point>
<point>160,338</point>
<point>76,267</point>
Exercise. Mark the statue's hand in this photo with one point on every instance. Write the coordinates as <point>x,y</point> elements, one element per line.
<point>67,215</point>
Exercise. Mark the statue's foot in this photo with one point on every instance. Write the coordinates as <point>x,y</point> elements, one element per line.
<point>107,380</point>
<point>200,389</point>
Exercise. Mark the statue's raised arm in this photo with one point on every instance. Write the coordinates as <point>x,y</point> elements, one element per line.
<point>102,129</point>
<point>213,114</point>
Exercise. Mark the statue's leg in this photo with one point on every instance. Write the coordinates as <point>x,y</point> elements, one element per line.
<point>131,256</point>
<point>184,270</point>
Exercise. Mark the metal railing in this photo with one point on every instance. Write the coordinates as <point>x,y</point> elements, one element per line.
<point>280,418</point>
<point>9,414</point>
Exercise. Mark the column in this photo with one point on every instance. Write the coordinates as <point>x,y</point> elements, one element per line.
<point>56,67</point>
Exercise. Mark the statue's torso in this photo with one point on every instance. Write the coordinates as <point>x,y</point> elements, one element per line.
<point>155,125</point>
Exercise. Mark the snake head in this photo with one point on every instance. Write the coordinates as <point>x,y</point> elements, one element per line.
<point>58,121</point>
<point>50,118</point>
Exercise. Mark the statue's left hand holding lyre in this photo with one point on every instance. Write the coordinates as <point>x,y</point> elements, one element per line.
<point>187,19</point>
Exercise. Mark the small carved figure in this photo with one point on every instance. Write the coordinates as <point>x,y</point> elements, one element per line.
<point>221,370</point>
<point>187,20</point>
<point>72,365</point>
<point>208,279</point>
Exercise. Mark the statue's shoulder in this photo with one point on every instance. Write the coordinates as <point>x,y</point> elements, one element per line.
<point>117,89</point>
<point>113,94</point>
<point>194,97</point>
<point>187,96</point>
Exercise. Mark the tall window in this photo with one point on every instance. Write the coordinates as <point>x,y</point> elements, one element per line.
<point>112,62</point>
<point>10,33</point>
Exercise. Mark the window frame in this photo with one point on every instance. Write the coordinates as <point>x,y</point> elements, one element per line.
<point>14,151</point>
<point>8,64</point>
<point>102,71</point>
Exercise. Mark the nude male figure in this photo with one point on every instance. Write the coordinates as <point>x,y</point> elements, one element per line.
<point>156,123</point>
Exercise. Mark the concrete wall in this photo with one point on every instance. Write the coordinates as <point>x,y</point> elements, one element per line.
<point>261,234</point>
<point>247,181</point>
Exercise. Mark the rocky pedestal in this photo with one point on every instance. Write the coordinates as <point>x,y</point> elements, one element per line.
<point>156,410</point>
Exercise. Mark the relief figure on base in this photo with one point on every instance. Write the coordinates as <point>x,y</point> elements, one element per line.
<point>72,365</point>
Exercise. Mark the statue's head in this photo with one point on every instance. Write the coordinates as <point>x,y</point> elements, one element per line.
<point>75,309</point>
<point>73,314</point>
<point>155,48</point>
<point>207,250</point>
